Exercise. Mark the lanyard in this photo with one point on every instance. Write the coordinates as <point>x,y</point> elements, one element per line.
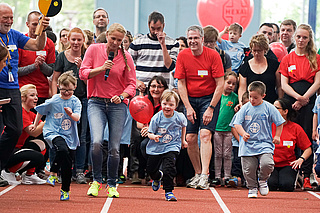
<point>11,79</point>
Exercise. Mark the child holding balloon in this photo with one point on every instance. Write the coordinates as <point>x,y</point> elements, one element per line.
<point>167,134</point>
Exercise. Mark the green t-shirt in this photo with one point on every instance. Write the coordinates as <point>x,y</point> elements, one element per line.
<point>226,112</point>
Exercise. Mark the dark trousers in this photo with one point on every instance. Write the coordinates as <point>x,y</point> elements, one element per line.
<point>11,119</point>
<point>236,169</point>
<point>283,179</point>
<point>168,162</point>
<point>63,160</point>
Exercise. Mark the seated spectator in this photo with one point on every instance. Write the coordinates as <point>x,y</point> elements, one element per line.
<point>29,150</point>
<point>286,166</point>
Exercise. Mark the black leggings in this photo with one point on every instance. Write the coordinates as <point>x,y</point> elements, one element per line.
<point>283,179</point>
<point>29,152</point>
<point>63,160</point>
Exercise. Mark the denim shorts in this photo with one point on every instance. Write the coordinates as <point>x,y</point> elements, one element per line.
<point>200,105</point>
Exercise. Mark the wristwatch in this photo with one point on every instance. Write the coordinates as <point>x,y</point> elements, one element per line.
<point>212,107</point>
<point>121,98</point>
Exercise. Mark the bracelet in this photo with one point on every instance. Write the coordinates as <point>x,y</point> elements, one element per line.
<point>302,158</point>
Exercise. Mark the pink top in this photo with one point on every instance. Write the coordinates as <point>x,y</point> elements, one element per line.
<point>120,78</point>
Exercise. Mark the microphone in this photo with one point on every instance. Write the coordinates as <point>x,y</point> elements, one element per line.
<point>110,57</point>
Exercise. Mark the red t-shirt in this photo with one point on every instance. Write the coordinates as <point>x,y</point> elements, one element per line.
<point>292,135</point>
<point>297,68</point>
<point>28,119</point>
<point>199,71</point>
<point>37,78</point>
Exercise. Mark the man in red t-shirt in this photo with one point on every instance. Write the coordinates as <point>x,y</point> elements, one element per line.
<point>36,66</point>
<point>200,83</point>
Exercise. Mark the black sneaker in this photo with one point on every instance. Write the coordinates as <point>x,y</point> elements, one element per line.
<point>215,182</point>
<point>3,182</point>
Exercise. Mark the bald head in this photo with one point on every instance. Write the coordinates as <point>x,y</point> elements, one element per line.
<point>6,18</point>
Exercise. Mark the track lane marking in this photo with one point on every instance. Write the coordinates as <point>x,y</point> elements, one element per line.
<point>314,194</point>
<point>7,189</point>
<point>219,200</point>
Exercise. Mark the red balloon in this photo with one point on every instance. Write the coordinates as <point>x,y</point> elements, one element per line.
<point>222,13</point>
<point>141,109</point>
<point>279,50</point>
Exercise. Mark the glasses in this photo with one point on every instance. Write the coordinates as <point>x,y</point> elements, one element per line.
<point>153,86</point>
<point>65,35</point>
<point>257,51</point>
<point>278,107</point>
<point>66,90</point>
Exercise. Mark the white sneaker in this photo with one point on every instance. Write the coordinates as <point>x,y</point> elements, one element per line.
<point>203,182</point>
<point>10,177</point>
<point>253,193</point>
<point>32,180</point>
<point>313,180</point>
<point>194,181</point>
<point>263,188</point>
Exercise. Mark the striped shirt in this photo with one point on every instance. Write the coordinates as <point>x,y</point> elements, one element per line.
<point>147,55</point>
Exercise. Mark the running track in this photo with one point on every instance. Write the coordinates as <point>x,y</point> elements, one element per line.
<point>141,198</point>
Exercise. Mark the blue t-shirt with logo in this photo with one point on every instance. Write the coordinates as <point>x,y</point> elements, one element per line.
<point>58,123</point>
<point>257,120</point>
<point>170,130</point>
<point>16,40</point>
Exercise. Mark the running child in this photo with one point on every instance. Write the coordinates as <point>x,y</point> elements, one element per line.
<point>60,130</point>
<point>256,146</point>
<point>167,133</point>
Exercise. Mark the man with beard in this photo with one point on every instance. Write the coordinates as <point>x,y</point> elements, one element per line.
<point>101,21</point>
<point>154,53</point>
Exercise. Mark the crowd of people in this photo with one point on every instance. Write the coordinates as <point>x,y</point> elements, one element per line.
<point>224,111</point>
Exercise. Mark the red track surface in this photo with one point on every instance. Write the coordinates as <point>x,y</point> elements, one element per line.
<point>141,198</point>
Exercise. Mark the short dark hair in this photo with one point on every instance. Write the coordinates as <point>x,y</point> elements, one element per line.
<point>155,17</point>
<point>31,13</point>
<point>100,8</point>
<point>210,33</point>
<point>266,24</point>
<point>184,39</point>
<point>289,22</point>
<point>277,26</point>
<point>257,86</point>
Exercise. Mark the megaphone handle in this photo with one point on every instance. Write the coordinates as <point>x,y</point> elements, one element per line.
<point>39,27</point>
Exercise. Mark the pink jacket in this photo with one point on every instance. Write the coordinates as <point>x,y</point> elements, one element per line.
<point>120,79</point>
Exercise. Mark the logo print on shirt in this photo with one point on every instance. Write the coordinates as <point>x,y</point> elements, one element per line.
<point>58,115</point>
<point>254,128</point>
<point>66,124</point>
<point>166,138</point>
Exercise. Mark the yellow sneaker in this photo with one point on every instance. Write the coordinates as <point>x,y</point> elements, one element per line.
<point>94,189</point>
<point>112,192</point>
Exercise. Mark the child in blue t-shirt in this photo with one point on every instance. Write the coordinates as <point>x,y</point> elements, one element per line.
<point>60,130</point>
<point>256,145</point>
<point>167,134</point>
<point>233,47</point>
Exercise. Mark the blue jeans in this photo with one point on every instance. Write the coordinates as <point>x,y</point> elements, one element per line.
<point>100,114</point>
<point>82,131</point>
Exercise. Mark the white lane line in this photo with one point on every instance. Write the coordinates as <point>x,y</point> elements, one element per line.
<point>7,189</point>
<point>314,194</point>
<point>219,200</point>
<point>109,200</point>
<point>107,205</point>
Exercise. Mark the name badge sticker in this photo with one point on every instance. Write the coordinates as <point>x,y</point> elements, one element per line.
<point>42,52</point>
<point>203,73</point>
<point>292,68</point>
<point>288,143</point>
<point>12,47</point>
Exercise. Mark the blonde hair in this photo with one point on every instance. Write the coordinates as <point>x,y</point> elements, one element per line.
<point>61,46</point>
<point>167,94</point>
<point>77,30</point>
<point>66,78</point>
<point>259,41</point>
<point>118,27</point>
<point>24,89</point>
<point>311,47</point>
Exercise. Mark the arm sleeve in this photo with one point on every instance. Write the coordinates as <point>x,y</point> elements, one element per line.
<point>47,69</point>
<point>22,71</point>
